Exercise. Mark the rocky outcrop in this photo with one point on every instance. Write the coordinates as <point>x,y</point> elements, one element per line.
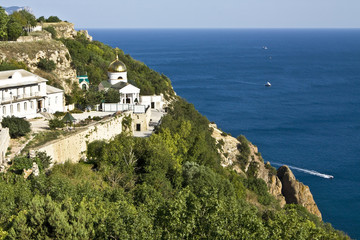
<point>31,52</point>
<point>86,34</point>
<point>282,183</point>
<point>296,192</point>
<point>67,30</point>
<point>35,36</point>
<point>63,29</point>
<point>229,152</point>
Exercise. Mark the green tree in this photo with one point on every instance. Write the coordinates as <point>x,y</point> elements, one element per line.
<point>46,65</point>
<point>51,30</point>
<point>56,123</point>
<point>15,30</point>
<point>53,19</point>
<point>3,24</point>
<point>17,126</point>
<point>112,96</point>
<point>41,19</point>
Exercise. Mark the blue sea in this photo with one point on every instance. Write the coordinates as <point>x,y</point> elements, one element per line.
<point>309,118</point>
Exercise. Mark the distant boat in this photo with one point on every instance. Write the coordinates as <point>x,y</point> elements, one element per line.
<point>268,84</point>
<point>265,47</point>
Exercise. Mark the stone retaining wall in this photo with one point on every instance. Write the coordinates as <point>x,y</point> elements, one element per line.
<point>72,148</point>
<point>4,143</point>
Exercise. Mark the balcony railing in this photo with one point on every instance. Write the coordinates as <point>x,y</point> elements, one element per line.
<point>20,97</point>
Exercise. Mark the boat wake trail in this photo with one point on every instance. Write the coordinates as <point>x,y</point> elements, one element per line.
<point>312,172</point>
<point>250,83</point>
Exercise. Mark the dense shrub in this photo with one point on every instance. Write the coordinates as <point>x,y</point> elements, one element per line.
<point>13,65</point>
<point>53,19</point>
<point>59,114</point>
<point>244,150</point>
<point>51,30</point>
<point>46,65</point>
<point>112,96</point>
<point>21,162</point>
<point>17,126</point>
<point>56,123</point>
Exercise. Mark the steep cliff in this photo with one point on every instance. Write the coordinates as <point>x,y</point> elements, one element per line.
<point>31,52</point>
<point>63,29</point>
<point>282,184</point>
<point>295,191</point>
<point>66,30</point>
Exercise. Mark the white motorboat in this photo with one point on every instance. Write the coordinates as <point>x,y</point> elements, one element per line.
<point>268,84</point>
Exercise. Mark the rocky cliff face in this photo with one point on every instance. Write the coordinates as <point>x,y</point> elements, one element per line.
<point>66,30</point>
<point>282,184</point>
<point>31,52</point>
<point>295,191</point>
<point>63,29</point>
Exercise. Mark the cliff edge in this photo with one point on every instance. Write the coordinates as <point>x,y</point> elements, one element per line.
<point>245,159</point>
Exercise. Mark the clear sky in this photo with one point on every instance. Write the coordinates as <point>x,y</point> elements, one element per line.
<point>199,13</point>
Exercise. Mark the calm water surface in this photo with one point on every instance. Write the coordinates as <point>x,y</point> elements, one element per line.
<point>310,116</point>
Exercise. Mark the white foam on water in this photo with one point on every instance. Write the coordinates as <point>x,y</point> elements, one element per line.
<point>312,172</point>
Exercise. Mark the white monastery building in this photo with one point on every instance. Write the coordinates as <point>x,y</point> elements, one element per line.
<point>130,98</point>
<point>24,94</point>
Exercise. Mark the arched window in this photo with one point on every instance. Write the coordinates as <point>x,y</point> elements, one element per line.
<point>32,104</point>
<point>18,107</point>
<point>11,109</point>
<point>120,77</point>
<point>4,110</point>
<point>25,106</point>
<point>83,87</point>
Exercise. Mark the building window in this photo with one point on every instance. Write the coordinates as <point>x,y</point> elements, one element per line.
<point>39,88</point>
<point>25,106</point>
<point>56,100</point>
<point>32,105</point>
<point>18,107</point>
<point>11,109</point>
<point>4,110</point>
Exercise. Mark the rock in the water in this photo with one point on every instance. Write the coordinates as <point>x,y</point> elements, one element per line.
<point>296,192</point>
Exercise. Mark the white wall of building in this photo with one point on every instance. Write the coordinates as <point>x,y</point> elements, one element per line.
<point>129,95</point>
<point>116,77</point>
<point>154,101</point>
<point>27,109</point>
<point>4,143</point>
<point>55,102</point>
<point>23,94</point>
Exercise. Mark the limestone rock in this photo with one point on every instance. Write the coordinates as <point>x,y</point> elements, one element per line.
<point>35,36</point>
<point>63,29</point>
<point>35,169</point>
<point>27,173</point>
<point>86,34</point>
<point>275,188</point>
<point>296,192</point>
<point>229,152</point>
<point>31,52</point>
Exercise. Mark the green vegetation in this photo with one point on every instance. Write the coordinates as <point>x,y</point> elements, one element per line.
<point>94,58</point>
<point>51,30</point>
<point>12,65</point>
<point>56,123</point>
<point>167,186</point>
<point>244,149</point>
<point>53,19</point>
<point>18,127</point>
<point>43,137</point>
<point>13,26</point>
<point>46,65</point>
<point>112,96</point>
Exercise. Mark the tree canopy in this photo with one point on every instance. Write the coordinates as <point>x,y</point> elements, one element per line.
<point>167,186</point>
